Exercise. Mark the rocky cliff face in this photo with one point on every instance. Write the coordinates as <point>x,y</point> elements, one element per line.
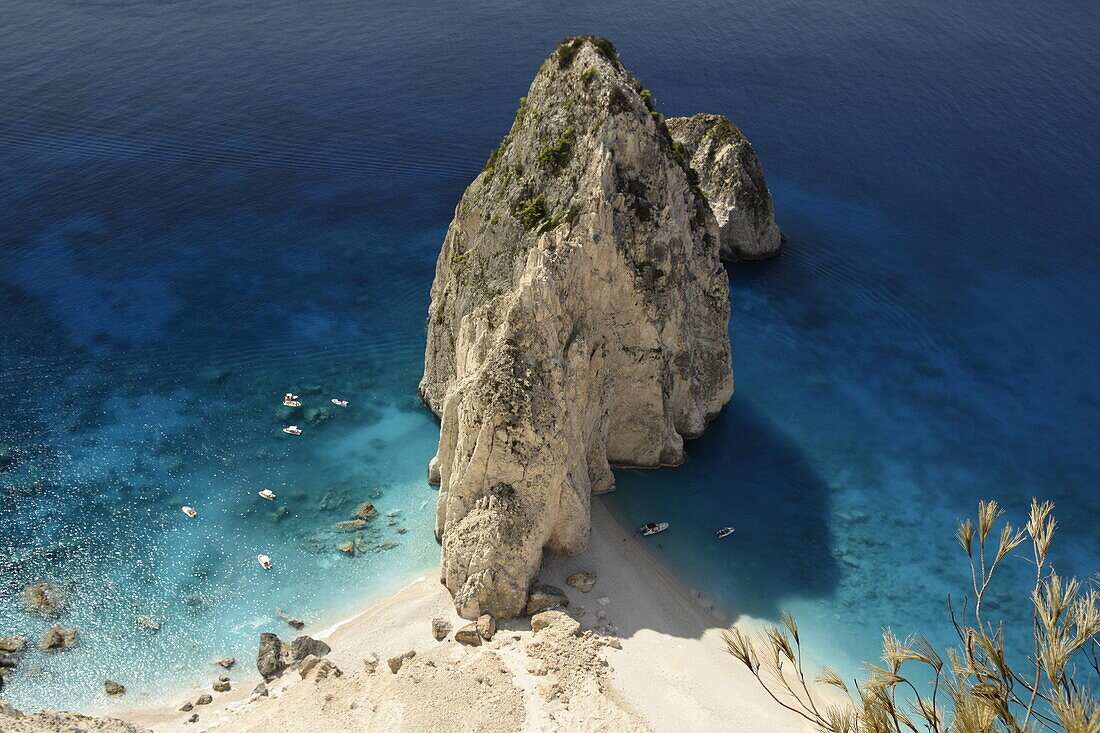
<point>733,180</point>
<point>578,319</point>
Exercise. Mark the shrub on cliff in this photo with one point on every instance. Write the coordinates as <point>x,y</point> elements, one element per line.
<point>977,688</point>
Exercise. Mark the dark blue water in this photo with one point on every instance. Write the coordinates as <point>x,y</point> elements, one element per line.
<point>205,204</point>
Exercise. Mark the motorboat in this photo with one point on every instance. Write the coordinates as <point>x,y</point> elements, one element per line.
<point>265,561</point>
<point>268,494</point>
<point>724,532</point>
<point>190,512</point>
<point>653,528</point>
<point>339,403</point>
<point>291,403</point>
<point>292,430</point>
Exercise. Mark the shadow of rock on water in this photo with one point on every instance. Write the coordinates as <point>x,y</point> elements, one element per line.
<point>743,473</point>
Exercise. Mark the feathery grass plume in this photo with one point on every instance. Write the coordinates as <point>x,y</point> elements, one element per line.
<point>965,535</point>
<point>977,689</point>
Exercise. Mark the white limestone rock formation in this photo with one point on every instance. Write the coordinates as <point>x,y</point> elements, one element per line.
<point>732,178</point>
<point>578,319</point>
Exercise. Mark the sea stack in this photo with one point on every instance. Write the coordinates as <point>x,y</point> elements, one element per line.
<point>732,179</point>
<point>578,320</point>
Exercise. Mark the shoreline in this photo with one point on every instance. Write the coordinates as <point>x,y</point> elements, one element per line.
<point>671,671</point>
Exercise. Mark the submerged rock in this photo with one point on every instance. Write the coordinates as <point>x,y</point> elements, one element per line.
<point>733,180</point>
<point>45,599</point>
<point>59,638</point>
<point>8,457</point>
<point>353,525</point>
<point>364,511</point>
<point>226,662</point>
<point>149,623</point>
<point>214,375</point>
<point>578,319</point>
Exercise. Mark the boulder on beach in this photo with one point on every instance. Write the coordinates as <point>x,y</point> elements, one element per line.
<point>59,638</point>
<point>440,628</point>
<point>395,663</point>
<point>270,659</point>
<point>222,685</point>
<point>486,626</point>
<point>557,621</point>
<point>45,599</point>
<point>303,646</point>
<point>468,635</point>
<point>584,582</point>
<point>205,699</point>
<point>545,597</point>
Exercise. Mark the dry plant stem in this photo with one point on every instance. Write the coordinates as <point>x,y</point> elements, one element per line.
<point>983,687</point>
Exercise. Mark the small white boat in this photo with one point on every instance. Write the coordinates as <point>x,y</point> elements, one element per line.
<point>268,494</point>
<point>189,511</point>
<point>289,397</point>
<point>724,532</point>
<point>292,430</point>
<point>264,561</point>
<point>339,403</point>
<point>653,528</point>
<point>291,403</point>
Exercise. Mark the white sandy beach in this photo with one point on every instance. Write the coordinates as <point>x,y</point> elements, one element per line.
<point>671,674</point>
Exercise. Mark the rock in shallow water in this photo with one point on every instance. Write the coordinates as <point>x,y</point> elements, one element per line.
<point>270,659</point>
<point>59,638</point>
<point>113,688</point>
<point>45,599</point>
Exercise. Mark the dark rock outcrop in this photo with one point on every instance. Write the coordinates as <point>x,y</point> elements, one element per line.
<point>303,646</point>
<point>271,660</point>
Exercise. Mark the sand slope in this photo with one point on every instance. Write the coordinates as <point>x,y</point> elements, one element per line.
<point>671,673</point>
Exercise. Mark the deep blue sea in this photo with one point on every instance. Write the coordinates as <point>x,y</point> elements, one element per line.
<point>206,204</point>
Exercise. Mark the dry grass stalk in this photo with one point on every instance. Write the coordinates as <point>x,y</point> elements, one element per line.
<point>976,690</point>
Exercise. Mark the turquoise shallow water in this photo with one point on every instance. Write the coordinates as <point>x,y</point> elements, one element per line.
<point>205,204</point>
